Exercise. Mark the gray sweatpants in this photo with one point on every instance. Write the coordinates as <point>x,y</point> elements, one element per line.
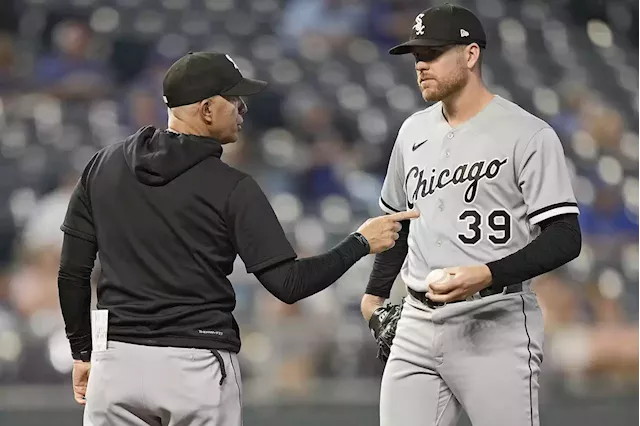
<point>482,356</point>
<point>162,386</point>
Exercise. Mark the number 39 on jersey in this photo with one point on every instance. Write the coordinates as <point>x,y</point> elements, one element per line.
<point>495,227</point>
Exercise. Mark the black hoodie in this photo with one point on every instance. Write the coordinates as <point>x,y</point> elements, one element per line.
<point>169,218</point>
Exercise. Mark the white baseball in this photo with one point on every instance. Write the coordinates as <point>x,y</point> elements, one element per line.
<point>437,276</point>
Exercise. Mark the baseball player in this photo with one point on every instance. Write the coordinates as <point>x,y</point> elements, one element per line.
<point>167,218</point>
<point>496,210</point>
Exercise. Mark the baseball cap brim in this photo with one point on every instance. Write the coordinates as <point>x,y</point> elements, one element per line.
<point>407,47</point>
<point>246,87</point>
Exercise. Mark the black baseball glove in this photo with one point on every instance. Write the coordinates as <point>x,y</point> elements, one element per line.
<point>383,325</point>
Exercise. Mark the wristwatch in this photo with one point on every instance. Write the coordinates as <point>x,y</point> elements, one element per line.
<point>363,241</point>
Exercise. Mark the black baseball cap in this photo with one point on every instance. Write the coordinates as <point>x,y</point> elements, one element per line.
<point>201,75</point>
<point>443,26</point>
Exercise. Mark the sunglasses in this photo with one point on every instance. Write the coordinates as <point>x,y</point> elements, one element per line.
<point>237,102</point>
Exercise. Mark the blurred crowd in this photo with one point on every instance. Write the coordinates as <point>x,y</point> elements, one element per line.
<point>76,75</point>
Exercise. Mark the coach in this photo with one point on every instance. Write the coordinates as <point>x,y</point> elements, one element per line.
<point>167,218</point>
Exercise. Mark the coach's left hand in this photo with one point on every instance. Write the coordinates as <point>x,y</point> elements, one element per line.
<point>463,282</point>
<point>80,377</point>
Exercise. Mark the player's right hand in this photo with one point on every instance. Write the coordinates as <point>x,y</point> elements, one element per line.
<point>382,232</point>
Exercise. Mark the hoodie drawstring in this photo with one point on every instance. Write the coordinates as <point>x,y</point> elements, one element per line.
<point>221,362</point>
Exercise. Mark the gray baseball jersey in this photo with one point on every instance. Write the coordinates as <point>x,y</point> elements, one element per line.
<point>480,187</point>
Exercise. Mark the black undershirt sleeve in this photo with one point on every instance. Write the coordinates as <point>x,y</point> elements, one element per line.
<point>293,280</point>
<point>387,265</point>
<point>74,290</point>
<point>559,242</point>
<point>78,255</point>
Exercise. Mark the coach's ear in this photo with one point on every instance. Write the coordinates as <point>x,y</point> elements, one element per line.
<point>206,109</point>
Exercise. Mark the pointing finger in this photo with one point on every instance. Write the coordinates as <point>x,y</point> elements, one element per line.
<point>409,214</point>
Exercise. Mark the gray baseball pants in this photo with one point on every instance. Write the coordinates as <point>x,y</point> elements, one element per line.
<point>136,385</point>
<point>481,356</point>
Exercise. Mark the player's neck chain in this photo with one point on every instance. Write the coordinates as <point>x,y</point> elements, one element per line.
<point>425,186</point>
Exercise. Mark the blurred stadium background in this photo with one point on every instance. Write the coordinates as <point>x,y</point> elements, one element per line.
<point>76,75</point>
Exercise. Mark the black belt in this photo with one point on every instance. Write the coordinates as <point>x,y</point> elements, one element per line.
<point>421,296</point>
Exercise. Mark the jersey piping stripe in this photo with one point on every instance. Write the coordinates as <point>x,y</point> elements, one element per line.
<point>529,363</point>
<point>551,207</point>
<point>553,213</point>
<point>388,206</point>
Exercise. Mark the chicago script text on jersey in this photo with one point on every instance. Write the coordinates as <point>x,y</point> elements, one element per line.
<point>473,173</point>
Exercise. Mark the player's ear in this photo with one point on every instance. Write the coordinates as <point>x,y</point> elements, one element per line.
<point>472,54</point>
